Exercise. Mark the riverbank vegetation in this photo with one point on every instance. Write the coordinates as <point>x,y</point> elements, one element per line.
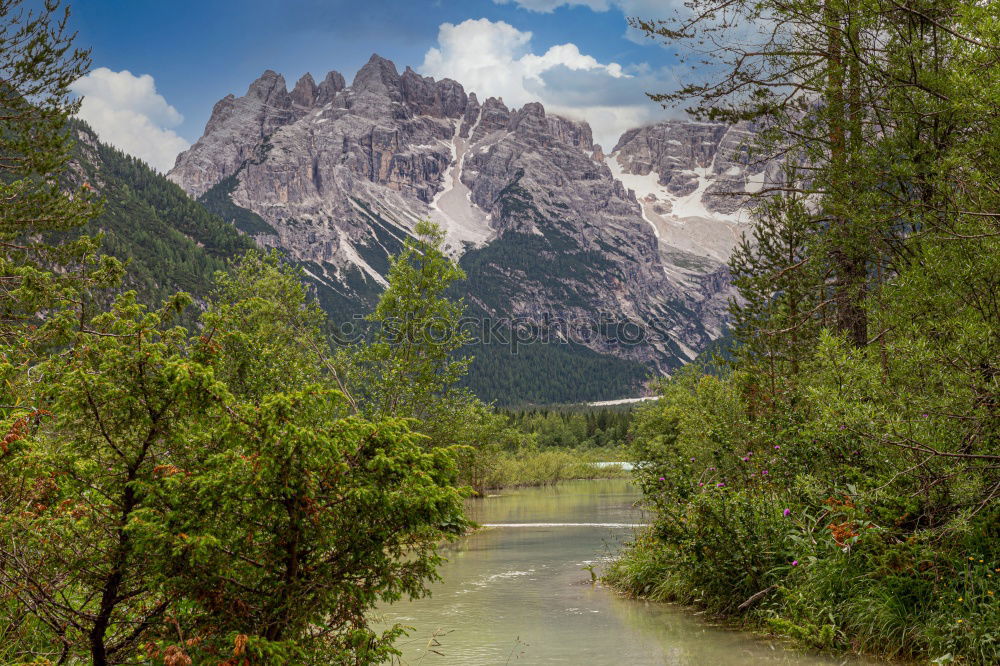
<point>541,446</point>
<point>839,483</point>
<point>485,470</point>
<point>575,426</point>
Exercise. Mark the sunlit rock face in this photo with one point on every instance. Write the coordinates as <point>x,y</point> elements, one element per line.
<point>548,226</point>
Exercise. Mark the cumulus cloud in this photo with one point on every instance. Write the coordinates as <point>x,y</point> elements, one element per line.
<point>494,59</point>
<point>126,111</point>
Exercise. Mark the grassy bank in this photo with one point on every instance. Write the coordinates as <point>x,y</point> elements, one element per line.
<point>922,602</point>
<point>539,467</point>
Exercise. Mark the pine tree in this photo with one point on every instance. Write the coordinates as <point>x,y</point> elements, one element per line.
<point>775,320</point>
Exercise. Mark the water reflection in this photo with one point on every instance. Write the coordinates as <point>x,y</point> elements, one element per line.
<point>520,594</point>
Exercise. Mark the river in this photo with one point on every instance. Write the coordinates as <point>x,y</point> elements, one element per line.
<point>517,592</point>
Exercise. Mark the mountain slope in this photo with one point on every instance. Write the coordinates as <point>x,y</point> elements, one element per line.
<point>171,242</point>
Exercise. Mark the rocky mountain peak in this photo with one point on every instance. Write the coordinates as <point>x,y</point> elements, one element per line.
<point>693,181</point>
<point>470,117</point>
<point>426,97</point>
<point>379,76</point>
<point>304,92</point>
<point>573,132</point>
<point>493,117</point>
<point>222,110</point>
<point>549,223</point>
<point>532,109</point>
<point>332,84</point>
<point>530,122</point>
<point>235,132</point>
<point>270,86</point>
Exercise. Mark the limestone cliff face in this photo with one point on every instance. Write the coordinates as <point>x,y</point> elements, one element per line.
<point>693,181</point>
<point>547,225</point>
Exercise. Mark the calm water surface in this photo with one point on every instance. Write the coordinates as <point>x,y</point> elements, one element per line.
<point>517,593</point>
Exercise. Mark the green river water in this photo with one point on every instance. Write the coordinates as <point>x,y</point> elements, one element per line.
<point>516,593</point>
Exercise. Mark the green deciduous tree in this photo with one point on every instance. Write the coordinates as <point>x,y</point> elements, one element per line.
<point>264,329</point>
<point>296,527</point>
<point>150,509</point>
<point>301,518</point>
<point>412,365</point>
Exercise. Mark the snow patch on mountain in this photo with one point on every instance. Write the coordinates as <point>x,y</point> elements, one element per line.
<point>452,207</point>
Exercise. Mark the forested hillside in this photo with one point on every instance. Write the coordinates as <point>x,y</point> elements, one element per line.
<point>167,241</point>
<point>548,373</point>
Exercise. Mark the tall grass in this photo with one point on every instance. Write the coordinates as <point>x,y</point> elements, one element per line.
<point>931,599</point>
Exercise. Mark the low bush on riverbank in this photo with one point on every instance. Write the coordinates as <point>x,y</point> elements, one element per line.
<point>787,526</point>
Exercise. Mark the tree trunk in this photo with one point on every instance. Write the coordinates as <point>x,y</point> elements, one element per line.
<point>849,263</point>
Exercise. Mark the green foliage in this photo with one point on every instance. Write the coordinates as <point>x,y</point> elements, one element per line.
<point>546,373</point>
<point>788,525</point>
<point>644,569</point>
<point>774,321</point>
<point>299,524</point>
<point>538,447</point>
<point>123,401</point>
<point>196,497</point>
<point>486,439</point>
<point>575,427</point>
<point>840,483</point>
<point>410,367</point>
<point>532,466</point>
<point>264,328</point>
<point>167,241</point>
<point>38,63</point>
<point>538,372</point>
<point>170,242</point>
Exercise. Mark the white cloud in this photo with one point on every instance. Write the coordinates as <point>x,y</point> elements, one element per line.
<point>126,111</point>
<point>494,59</point>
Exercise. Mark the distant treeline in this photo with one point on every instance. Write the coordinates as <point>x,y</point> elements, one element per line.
<point>574,426</point>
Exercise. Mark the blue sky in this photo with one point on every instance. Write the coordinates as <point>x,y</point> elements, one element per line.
<point>578,57</point>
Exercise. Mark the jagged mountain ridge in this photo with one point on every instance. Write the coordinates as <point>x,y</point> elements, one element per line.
<point>546,225</point>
